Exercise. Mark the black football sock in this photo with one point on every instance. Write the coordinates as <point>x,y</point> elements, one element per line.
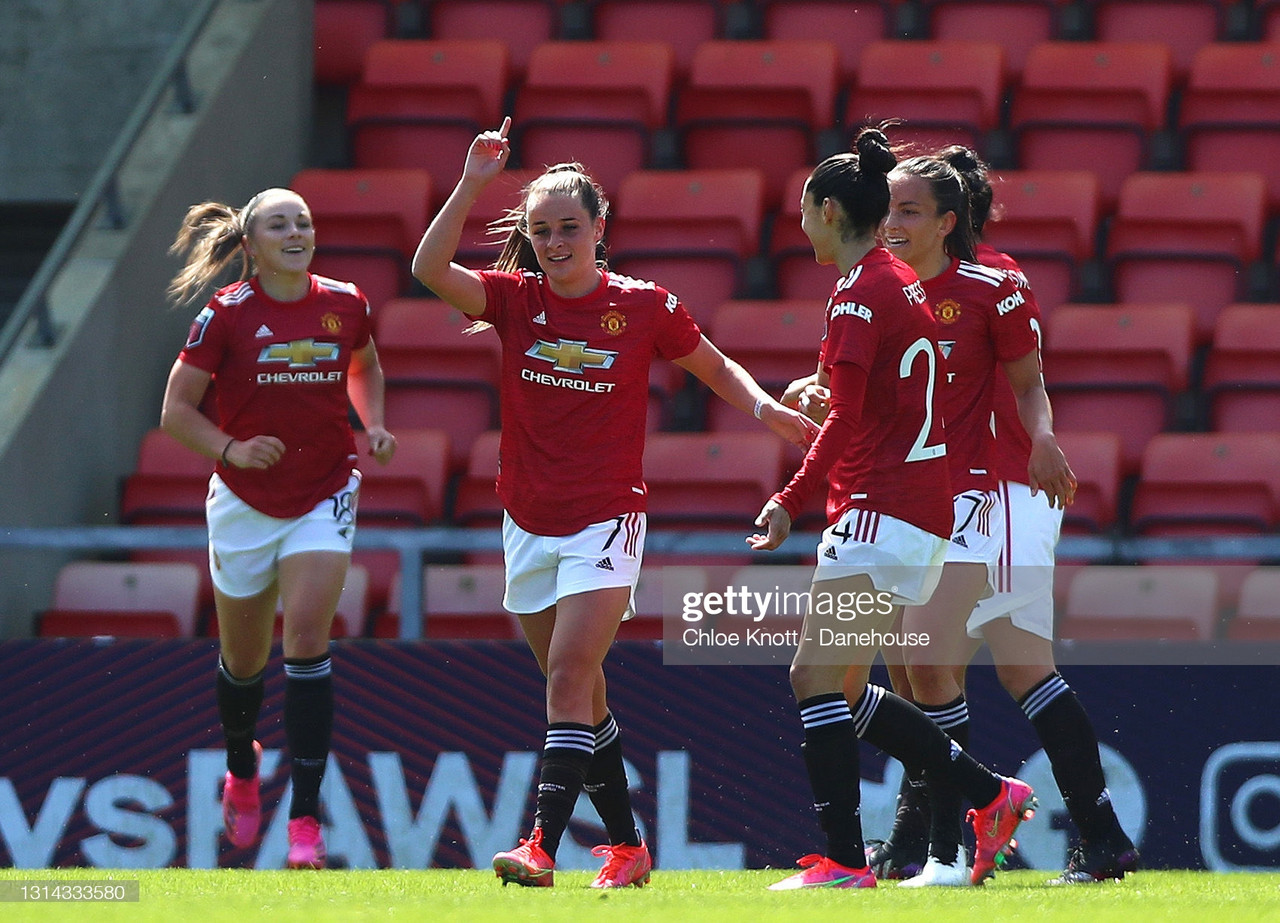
<point>606,785</point>
<point>239,701</point>
<point>566,757</point>
<point>308,727</point>
<point>831,756</point>
<point>946,809</point>
<point>1072,747</point>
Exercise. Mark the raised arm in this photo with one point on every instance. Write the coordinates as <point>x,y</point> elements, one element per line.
<point>433,264</point>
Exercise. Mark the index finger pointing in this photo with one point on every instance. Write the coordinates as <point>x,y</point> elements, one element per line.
<point>506,127</point>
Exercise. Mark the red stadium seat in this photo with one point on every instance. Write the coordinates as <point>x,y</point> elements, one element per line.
<point>1257,616</point>
<point>1189,237</point>
<point>1185,26</point>
<point>945,92</point>
<point>345,30</point>
<point>1018,24</point>
<point>690,231</point>
<point>776,341</point>
<point>408,490</point>
<point>1118,367</point>
<point>851,25</point>
<point>710,480</point>
<point>1094,104</point>
<point>1095,460</point>
<point>521,25</point>
<point>1208,484</point>
<point>419,104</point>
<point>1268,16</point>
<point>596,103</point>
<point>164,596</point>
<point>796,274</point>
<point>476,502</point>
<point>168,484</point>
<point>1048,221</point>
<point>458,601</point>
<point>757,104</point>
<point>368,224</point>
<point>1229,116</point>
<point>1141,603</point>
<point>684,23</point>
<point>1242,372</point>
<point>438,377</point>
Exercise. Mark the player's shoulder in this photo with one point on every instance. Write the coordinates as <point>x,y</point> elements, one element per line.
<point>628,291</point>
<point>229,296</point>
<point>981,275</point>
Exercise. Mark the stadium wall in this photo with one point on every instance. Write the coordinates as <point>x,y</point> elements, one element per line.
<point>71,417</point>
<point>113,759</point>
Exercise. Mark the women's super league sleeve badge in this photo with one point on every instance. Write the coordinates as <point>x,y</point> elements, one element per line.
<point>613,322</point>
<point>947,311</point>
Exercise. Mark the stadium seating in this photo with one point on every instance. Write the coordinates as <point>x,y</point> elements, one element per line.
<point>851,26</point>
<point>1095,461</point>
<point>409,489</point>
<point>1208,484</point>
<point>476,502</point>
<point>1229,116</point>
<point>419,103</point>
<point>345,30</point>
<point>1185,26</point>
<point>659,593</point>
<point>157,600</point>
<point>795,273</point>
<point>437,376</point>
<point>1242,372</point>
<point>521,25</point>
<point>1091,105</point>
<point>1140,603</point>
<point>1018,24</point>
<point>758,105</point>
<point>1048,221</point>
<point>1257,615</point>
<point>368,224</point>
<point>686,24</point>
<point>459,601</point>
<point>690,231</point>
<point>945,92</point>
<point>1118,367</point>
<point>479,247</point>
<point>168,484</point>
<point>1187,237</point>
<point>594,102</point>
<point>710,480</point>
<point>776,341</point>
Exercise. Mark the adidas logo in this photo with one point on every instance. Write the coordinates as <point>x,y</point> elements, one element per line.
<point>830,552</point>
<point>604,564</point>
<point>264,331</point>
<point>959,540</point>
<point>541,318</point>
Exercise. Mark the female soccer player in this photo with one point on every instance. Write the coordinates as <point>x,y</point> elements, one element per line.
<point>286,350</point>
<point>985,323</point>
<point>890,509</point>
<point>1017,621</point>
<point>577,344</point>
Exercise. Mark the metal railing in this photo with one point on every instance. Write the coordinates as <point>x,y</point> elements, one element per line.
<point>414,545</point>
<point>103,190</point>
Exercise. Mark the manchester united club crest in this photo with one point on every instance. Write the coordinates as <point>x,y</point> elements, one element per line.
<point>331,322</point>
<point>613,322</point>
<point>947,311</point>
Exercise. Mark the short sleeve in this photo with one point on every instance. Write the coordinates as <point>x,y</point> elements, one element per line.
<point>207,338</point>
<point>1013,330</point>
<point>678,333</point>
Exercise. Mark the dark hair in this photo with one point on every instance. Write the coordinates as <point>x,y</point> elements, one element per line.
<point>951,193</point>
<point>858,181</point>
<point>970,166</point>
<point>559,179</point>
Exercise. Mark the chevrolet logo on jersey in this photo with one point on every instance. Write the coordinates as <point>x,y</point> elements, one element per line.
<point>571,355</point>
<point>300,354</point>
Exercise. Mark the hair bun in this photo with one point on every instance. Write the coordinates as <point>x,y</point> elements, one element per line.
<point>874,153</point>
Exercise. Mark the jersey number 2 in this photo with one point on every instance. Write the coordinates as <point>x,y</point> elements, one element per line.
<point>906,368</point>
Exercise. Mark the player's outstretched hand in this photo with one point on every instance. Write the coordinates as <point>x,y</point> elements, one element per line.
<point>488,153</point>
<point>791,425</point>
<point>777,523</point>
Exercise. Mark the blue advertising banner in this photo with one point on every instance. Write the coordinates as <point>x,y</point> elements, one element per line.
<point>110,756</point>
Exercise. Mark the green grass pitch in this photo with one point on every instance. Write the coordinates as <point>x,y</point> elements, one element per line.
<point>238,895</point>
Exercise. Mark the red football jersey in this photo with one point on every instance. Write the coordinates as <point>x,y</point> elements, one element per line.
<point>1013,445</point>
<point>984,319</point>
<point>575,394</point>
<point>280,369</point>
<point>878,319</point>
